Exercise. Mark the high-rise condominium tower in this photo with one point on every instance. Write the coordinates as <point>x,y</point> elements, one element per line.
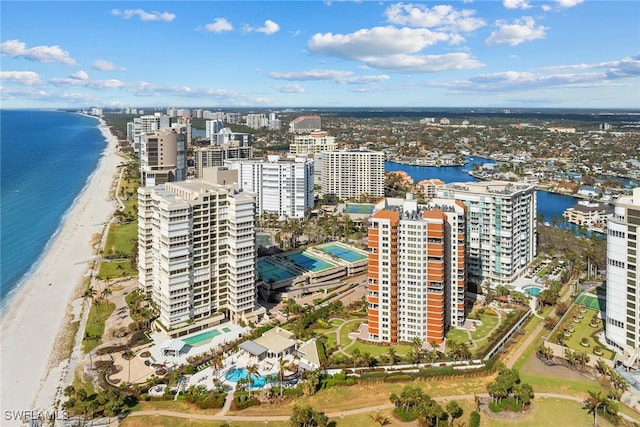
<point>162,157</point>
<point>283,186</point>
<point>623,283</point>
<point>416,274</point>
<point>501,228</point>
<point>352,173</point>
<point>196,251</point>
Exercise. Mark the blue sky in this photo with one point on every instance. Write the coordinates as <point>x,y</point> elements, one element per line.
<point>510,53</point>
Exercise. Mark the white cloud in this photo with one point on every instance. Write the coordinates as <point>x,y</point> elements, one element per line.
<point>26,78</point>
<point>18,49</point>
<point>91,84</point>
<point>219,25</point>
<point>569,3</point>
<point>337,76</point>
<point>144,16</point>
<point>425,63</point>
<point>546,8</point>
<point>443,17</point>
<point>292,88</point>
<point>102,65</point>
<point>520,31</point>
<point>392,49</point>
<point>269,27</point>
<point>565,76</point>
<point>516,4</point>
<point>80,75</point>
<point>377,41</point>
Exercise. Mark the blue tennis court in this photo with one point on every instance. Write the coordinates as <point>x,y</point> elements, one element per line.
<point>342,252</point>
<point>308,262</point>
<point>359,208</point>
<point>267,271</point>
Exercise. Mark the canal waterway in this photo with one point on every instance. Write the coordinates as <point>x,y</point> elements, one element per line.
<point>549,205</point>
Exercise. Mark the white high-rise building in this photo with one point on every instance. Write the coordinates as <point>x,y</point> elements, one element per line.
<point>352,173</point>
<point>257,121</point>
<point>623,283</point>
<point>196,252</point>
<point>416,271</point>
<point>212,127</point>
<point>501,228</point>
<point>283,186</point>
<point>312,143</point>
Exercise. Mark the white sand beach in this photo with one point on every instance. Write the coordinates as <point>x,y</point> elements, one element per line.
<point>35,315</point>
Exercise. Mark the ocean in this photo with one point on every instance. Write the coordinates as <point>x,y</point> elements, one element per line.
<point>46,159</point>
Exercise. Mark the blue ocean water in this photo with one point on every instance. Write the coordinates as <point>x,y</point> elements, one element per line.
<point>46,159</point>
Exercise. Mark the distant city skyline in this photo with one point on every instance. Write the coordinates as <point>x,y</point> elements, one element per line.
<point>494,54</point>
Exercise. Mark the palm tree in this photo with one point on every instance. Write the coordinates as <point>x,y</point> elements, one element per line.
<point>106,293</point>
<point>128,355</point>
<point>90,292</point>
<point>593,402</point>
<point>252,372</point>
<point>281,364</point>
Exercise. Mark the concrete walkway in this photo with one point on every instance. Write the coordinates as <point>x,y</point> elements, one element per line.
<point>340,414</point>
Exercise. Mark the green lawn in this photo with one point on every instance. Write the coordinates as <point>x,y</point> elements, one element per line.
<point>548,412</point>
<point>347,329</point>
<point>489,322</point>
<point>457,335</point>
<point>116,268</point>
<point>584,330</point>
<point>377,350</point>
<point>121,239</point>
<point>95,325</point>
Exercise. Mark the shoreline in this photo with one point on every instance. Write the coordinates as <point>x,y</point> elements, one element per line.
<point>34,316</point>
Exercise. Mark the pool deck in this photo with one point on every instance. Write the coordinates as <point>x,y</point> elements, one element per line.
<point>160,338</point>
<point>239,360</point>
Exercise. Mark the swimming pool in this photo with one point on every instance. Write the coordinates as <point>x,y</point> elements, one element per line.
<point>534,291</point>
<point>201,338</point>
<point>237,374</point>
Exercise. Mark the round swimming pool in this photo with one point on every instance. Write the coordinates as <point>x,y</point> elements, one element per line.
<point>534,291</point>
<point>236,374</point>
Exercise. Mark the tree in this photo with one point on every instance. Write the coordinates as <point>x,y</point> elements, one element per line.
<point>252,373</point>
<point>523,393</point>
<point>454,410</point>
<point>602,367</point>
<point>310,386</point>
<point>430,410</point>
<point>306,416</point>
<point>90,292</point>
<point>106,293</point>
<point>128,355</point>
<point>619,382</point>
<point>281,365</point>
<point>593,402</point>
<point>393,357</point>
